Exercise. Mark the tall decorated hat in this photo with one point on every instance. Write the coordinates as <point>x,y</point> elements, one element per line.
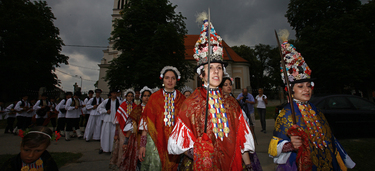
<point>296,67</point>
<point>201,46</point>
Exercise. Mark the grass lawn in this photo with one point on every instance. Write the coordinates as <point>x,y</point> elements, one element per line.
<point>61,158</point>
<point>361,151</point>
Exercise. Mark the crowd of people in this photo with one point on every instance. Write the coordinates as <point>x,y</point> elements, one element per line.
<point>204,129</point>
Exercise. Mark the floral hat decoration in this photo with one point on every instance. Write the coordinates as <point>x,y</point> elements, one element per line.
<point>144,89</point>
<point>201,46</point>
<point>170,68</point>
<point>185,89</point>
<point>55,136</point>
<point>130,90</point>
<point>297,69</point>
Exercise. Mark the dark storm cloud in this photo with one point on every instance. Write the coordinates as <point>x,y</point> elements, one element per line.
<point>88,22</point>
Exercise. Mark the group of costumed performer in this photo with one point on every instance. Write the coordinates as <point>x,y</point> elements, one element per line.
<point>157,122</point>
<point>95,120</point>
<point>121,120</point>
<point>108,109</point>
<point>228,139</point>
<point>129,160</point>
<point>307,144</point>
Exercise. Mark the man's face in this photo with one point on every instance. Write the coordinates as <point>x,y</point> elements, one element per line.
<point>244,91</point>
<point>137,94</point>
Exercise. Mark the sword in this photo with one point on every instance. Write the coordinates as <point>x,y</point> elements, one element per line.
<point>286,81</point>
<point>208,68</point>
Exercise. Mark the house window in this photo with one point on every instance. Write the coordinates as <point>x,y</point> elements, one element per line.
<point>237,82</point>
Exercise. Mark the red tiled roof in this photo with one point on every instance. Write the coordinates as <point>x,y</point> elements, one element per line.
<point>229,54</point>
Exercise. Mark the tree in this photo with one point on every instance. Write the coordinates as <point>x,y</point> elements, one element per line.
<point>150,35</point>
<point>30,47</point>
<point>264,65</point>
<point>334,40</point>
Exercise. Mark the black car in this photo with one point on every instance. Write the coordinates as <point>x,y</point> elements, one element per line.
<point>345,112</point>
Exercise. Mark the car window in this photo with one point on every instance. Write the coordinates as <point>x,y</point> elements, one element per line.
<point>337,103</point>
<point>320,105</point>
<point>361,104</point>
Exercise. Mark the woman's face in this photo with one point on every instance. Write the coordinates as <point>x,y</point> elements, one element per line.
<point>29,155</point>
<point>129,97</point>
<point>302,91</point>
<point>227,87</point>
<point>169,80</point>
<point>187,94</point>
<point>216,74</point>
<point>145,97</point>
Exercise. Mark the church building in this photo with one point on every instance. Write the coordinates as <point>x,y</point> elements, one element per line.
<point>238,67</point>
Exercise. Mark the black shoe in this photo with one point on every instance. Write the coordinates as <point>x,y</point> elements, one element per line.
<point>261,130</point>
<point>67,139</point>
<point>6,132</point>
<point>87,140</point>
<point>100,151</point>
<point>264,131</point>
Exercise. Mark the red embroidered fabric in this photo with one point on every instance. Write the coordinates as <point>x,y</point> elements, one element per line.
<point>153,115</point>
<point>303,159</point>
<point>121,116</point>
<point>227,153</point>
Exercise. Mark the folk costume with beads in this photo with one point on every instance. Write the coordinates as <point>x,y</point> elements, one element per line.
<point>159,116</point>
<point>228,136</point>
<point>320,150</point>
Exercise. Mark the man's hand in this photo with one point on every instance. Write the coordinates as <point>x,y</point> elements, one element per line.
<point>109,111</point>
<point>296,141</point>
<point>124,147</point>
<point>241,98</point>
<point>142,153</point>
<point>95,106</point>
<point>76,107</point>
<point>115,137</point>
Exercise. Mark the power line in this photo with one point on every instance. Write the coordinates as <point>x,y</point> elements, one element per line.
<point>83,67</point>
<point>73,75</point>
<point>88,46</point>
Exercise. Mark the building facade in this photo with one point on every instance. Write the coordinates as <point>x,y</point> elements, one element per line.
<point>238,68</point>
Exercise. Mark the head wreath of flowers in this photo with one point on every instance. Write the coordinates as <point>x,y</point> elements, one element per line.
<point>55,136</point>
<point>146,88</point>
<point>130,90</point>
<point>185,89</point>
<point>170,68</point>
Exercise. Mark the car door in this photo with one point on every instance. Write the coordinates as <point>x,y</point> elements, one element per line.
<point>365,110</point>
<point>338,109</point>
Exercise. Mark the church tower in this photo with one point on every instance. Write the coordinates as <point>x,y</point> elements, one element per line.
<point>110,53</point>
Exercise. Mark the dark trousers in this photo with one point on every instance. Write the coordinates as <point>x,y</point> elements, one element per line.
<point>84,120</point>
<point>20,120</point>
<point>53,122</point>
<point>27,122</point>
<point>10,123</point>
<point>76,123</point>
<point>60,124</point>
<point>40,121</point>
<point>262,115</point>
<point>70,123</point>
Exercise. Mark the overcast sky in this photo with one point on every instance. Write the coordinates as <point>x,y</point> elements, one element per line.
<point>88,23</point>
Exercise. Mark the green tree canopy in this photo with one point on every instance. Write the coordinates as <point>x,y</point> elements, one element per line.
<point>30,47</point>
<point>264,65</point>
<point>335,38</point>
<point>150,35</point>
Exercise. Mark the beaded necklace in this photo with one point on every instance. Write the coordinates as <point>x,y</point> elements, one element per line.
<point>129,107</point>
<point>169,108</point>
<point>219,117</point>
<point>314,127</point>
<point>35,166</point>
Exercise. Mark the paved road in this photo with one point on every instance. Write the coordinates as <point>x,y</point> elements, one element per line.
<point>91,160</point>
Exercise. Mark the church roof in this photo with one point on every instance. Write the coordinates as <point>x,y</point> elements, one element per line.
<point>229,54</point>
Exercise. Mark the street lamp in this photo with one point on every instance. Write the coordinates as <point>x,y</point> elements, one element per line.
<point>81,80</point>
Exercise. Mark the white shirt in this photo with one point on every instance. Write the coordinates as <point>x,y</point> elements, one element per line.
<point>37,107</point>
<point>8,110</point>
<point>90,107</point>
<point>102,110</point>
<point>84,109</point>
<point>261,103</point>
<point>18,108</point>
<point>61,105</point>
<point>71,111</point>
